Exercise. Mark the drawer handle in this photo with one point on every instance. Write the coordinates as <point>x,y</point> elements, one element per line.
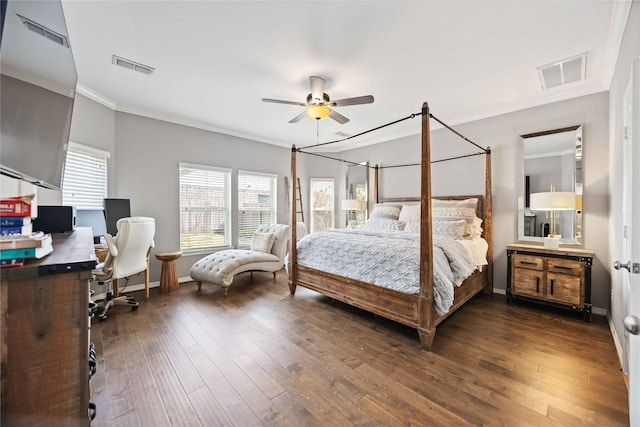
<point>528,263</point>
<point>537,284</point>
<point>551,286</point>
<point>564,267</point>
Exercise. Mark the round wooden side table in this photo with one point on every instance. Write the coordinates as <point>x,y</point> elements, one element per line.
<point>169,275</point>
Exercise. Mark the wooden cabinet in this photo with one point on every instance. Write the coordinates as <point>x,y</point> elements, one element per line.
<point>45,340</point>
<point>557,277</point>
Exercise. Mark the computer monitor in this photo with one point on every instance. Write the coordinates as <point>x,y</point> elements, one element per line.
<point>114,209</point>
<point>93,218</point>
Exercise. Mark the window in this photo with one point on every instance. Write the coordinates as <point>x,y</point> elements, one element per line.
<point>322,201</point>
<point>84,183</point>
<point>205,207</point>
<point>256,203</point>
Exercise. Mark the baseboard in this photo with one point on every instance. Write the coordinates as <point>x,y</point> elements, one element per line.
<point>140,287</point>
<point>616,342</point>
<point>600,311</point>
<point>500,291</point>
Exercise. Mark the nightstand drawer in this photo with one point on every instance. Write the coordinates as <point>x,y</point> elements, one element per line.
<point>528,282</point>
<point>528,261</point>
<point>565,266</point>
<point>564,288</point>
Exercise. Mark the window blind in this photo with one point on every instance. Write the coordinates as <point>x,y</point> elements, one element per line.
<point>257,203</point>
<point>84,183</point>
<point>205,207</point>
<point>322,203</point>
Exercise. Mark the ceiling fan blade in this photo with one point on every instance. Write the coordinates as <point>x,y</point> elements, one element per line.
<point>317,88</point>
<point>279,101</point>
<point>299,117</point>
<point>338,117</point>
<point>368,99</point>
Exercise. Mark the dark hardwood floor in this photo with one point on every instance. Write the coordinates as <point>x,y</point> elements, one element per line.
<point>262,357</point>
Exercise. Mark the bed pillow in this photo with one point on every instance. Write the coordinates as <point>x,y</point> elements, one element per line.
<point>385,211</point>
<point>410,213</point>
<point>262,242</point>
<point>412,227</point>
<point>383,224</point>
<point>455,210</point>
<point>453,229</point>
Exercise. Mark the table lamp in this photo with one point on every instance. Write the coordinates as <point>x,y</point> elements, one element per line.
<point>351,206</point>
<point>553,201</point>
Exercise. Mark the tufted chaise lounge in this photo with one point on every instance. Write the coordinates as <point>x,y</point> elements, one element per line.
<point>219,268</point>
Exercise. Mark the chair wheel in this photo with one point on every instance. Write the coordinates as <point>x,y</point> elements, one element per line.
<point>134,308</point>
<point>102,318</point>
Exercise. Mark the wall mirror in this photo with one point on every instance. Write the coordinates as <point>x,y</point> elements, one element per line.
<point>550,161</point>
<point>357,189</point>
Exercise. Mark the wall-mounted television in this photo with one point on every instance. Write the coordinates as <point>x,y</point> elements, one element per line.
<point>37,81</point>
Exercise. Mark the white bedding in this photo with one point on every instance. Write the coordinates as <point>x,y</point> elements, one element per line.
<point>391,259</point>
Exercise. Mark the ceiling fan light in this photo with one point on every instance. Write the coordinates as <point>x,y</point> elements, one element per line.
<point>318,112</point>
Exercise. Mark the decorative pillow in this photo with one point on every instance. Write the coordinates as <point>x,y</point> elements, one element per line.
<point>262,242</point>
<point>453,229</point>
<point>385,211</point>
<point>383,224</point>
<point>455,210</point>
<point>410,213</point>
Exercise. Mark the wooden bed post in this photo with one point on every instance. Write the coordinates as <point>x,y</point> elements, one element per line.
<point>376,191</point>
<point>426,329</point>
<point>488,225</point>
<point>293,226</point>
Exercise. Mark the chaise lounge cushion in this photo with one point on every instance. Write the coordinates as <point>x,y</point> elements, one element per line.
<point>220,267</point>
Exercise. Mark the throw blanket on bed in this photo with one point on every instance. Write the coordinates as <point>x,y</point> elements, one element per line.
<point>388,259</point>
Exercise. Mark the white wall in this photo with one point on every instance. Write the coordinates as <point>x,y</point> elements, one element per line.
<point>146,172</point>
<point>629,50</point>
<point>466,176</point>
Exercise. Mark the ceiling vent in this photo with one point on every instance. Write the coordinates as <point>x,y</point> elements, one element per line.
<point>131,65</point>
<point>565,71</point>
<point>43,31</point>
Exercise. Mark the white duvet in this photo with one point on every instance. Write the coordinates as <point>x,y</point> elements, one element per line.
<point>391,259</point>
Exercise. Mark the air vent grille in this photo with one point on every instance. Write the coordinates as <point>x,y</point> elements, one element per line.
<point>562,72</point>
<point>43,31</point>
<point>132,65</point>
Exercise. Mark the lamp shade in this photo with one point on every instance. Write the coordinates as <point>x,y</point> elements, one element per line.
<point>318,112</point>
<point>354,205</point>
<point>553,201</point>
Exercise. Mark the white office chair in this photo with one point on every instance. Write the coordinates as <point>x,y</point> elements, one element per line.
<point>128,255</point>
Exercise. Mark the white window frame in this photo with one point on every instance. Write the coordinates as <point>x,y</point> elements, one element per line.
<point>84,182</point>
<point>209,235</point>
<point>268,213</point>
<point>313,208</point>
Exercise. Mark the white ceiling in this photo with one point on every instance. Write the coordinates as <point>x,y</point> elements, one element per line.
<point>215,60</point>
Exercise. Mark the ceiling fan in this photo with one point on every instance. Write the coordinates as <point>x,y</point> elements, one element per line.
<point>318,103</point>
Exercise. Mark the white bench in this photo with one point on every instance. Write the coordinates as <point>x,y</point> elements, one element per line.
<point>219,268</point>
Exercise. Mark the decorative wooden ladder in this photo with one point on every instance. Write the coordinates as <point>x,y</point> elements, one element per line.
<point>299,210</point>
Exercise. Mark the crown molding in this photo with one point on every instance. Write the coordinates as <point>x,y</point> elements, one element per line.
<point>619,19</point>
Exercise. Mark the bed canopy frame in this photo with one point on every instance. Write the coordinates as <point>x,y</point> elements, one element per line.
<point>416,311</point>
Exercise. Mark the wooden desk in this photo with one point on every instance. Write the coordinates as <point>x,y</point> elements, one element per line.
<point>169,275</point>
<point>44,326</point>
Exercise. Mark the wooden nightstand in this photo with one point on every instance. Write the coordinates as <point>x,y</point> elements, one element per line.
<point>555,277</point>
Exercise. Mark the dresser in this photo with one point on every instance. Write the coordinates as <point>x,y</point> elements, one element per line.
<point>45,335</point>
<point>555,277</point>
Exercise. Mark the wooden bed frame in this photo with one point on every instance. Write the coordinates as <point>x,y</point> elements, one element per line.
<point>416,311</point>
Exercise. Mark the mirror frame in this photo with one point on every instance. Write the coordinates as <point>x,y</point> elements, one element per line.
<point>576,239</point>
<point>365,192</point>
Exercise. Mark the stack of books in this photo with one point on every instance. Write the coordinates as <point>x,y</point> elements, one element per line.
<point>17,241</point>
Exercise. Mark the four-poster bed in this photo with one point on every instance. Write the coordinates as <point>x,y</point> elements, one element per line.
<point>414,310</point>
